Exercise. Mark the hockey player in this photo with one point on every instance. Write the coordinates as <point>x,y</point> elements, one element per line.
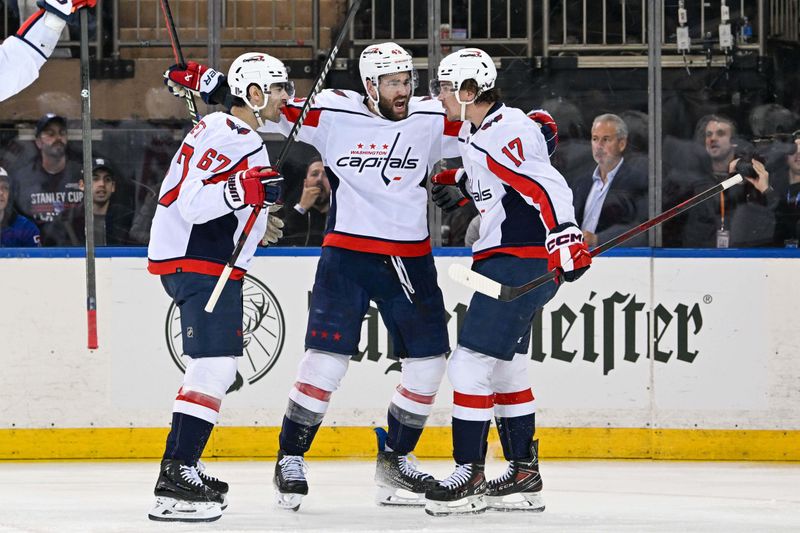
<point>24,53</point>
<point>527,227</point>
<point>220,172</point>
<point>378,150</point>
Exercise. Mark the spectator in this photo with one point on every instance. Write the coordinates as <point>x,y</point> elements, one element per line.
<point>49,183</point>
<point>305,222</point>
<point>742,216</point>
<point>787,230</point>
<point>15,229</point>
<point>614,198</point>
<point>111,222</point>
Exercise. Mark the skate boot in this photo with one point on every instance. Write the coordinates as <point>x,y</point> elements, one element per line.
<point>290,481</point>
<point>399,482</point>
<point>213,482</point>
<point>181,496</point>
<point>461,493</point>
<point>520,487</point>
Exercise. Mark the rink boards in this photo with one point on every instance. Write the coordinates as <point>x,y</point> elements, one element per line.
<point>651,354</point>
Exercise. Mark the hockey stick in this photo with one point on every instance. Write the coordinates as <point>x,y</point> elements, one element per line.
<point>226,272</point>
<point>179,59</point>
<point>505,293</point>
<point>88,204</point>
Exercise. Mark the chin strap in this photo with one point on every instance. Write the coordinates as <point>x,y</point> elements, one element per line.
<point>374,103</point>
<point>464,106</point>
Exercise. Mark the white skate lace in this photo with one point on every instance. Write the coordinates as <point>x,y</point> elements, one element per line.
<point>457,478</point>
<point>508,474</point>
<point>189,474</point>
<point>408,466</point>
<point>293,468</point>
<point>201,471</point>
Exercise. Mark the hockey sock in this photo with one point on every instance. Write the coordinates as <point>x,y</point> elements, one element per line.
<point>401,437</point>
<point>187,439</point>
<point>470,440</point>
<point>296,438</point>
<point>516,435</point>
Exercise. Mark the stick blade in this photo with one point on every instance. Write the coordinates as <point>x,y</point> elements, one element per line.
<point>477,282</point>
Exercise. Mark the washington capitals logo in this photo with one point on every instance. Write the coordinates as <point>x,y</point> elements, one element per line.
<point>238,129</point>
<point>379,156</point>
<point>495,119</point>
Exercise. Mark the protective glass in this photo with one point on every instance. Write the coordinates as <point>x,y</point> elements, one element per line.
<point>286,86</point>
<point>395,84</point>
<point>438,87</point>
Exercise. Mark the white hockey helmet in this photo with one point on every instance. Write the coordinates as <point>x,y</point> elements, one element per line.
<point>385,58</point>
<point>466,64</point>
<point>260,69</point>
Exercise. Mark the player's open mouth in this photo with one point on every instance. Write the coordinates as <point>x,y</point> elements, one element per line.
<point>399,105</point>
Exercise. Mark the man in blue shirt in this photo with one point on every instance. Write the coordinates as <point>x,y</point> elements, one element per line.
<point>614,198</point>
<point>15,229</point>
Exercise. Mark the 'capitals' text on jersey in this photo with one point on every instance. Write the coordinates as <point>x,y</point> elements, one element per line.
<point>377,169</point>
<point>519,194</point>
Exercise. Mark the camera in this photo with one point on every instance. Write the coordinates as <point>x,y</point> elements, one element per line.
<point>745,164</point>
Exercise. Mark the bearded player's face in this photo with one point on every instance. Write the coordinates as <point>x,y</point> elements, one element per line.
<point>394,93</point>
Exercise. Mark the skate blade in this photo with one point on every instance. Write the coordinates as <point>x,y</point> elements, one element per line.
<point>172,510</point>
<point>464,506</point>
<point>531,502</point>
<point>288,501</point>
<point>397,497</point>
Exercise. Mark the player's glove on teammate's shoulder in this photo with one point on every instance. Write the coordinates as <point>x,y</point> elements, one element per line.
<point>449,189</point>
<point>255,186</point>
<point>567,251</point>
<point>192,77</point>
<point>548,127</point>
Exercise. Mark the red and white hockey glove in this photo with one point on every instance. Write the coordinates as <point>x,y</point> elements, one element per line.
<point>548,127</point>
<point>64,8</point>
<point>254,186</point>
<point>567,251</point>
<point>192,77</point>
<point>449,189</point>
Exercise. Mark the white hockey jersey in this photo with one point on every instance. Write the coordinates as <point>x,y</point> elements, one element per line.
<point>520,196</point>
<point>377,169</point>
<point>194,228</point>
<point>23,54</point>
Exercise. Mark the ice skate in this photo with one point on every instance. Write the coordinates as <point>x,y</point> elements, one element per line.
<point>398,479</point>
<point>290,481</point>
<point>519,488</point>
<point>181,496</point>
<point>213,482</point>
<point>461,493</point>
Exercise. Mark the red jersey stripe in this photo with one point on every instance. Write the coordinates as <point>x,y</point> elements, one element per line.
<point>199,398</point>
<point>528,252</point>
<point>28,23</point>
<point>512,398</point>
<point>198,266</point>
<point>375,246</point>
<point>313,392</point>
<point>414,397</point>
<point>473,400</point>
<point>292,114</point>
<point>526,186</point>
<point>452,128</point>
